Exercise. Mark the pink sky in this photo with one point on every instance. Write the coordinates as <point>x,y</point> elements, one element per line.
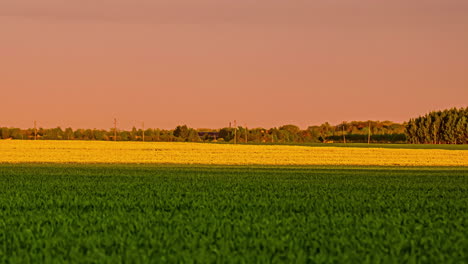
<point>207,62</point>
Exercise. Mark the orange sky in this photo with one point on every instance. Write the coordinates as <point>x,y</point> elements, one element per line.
<point>203,63</point>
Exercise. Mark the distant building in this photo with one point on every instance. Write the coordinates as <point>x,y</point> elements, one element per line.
<point>208,135</point>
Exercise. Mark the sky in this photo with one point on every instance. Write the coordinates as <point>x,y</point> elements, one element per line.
<point>205,63</point>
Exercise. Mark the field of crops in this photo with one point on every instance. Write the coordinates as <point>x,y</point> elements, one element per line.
<point>221,154</point>
<point>174,213</point>
<point>111,202</point>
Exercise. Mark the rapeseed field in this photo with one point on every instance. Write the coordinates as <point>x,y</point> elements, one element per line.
<point>220,154</point>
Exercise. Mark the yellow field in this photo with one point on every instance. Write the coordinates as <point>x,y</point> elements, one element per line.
<point>193,153</point>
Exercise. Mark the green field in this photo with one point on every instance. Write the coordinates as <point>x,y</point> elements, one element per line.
<point>156,213</point>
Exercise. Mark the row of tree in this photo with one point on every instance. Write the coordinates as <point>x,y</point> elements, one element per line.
<point>352,132</point>
<point>439,127</point>
<point>356,131</point>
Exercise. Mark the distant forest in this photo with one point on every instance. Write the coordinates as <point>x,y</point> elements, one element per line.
<point>440,127</point>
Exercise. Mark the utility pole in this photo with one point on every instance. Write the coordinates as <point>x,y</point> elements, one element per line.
<point>344,137</point>
<point>115,129</point>
<point>246,133</point>
<point>368,136</point>
<point>143,131</point>
<point>35,130</point>
<point>235,132</point>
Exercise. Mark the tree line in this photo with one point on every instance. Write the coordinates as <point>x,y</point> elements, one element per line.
<point>439,127</point>
<point>351,132</point>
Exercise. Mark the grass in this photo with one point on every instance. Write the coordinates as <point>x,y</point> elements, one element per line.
<point>175,213</point>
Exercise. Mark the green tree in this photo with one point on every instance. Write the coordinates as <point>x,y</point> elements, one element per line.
<point>68,133</point>
<point>193,136</point>
<point>182,132</point>
<point>5,132</point>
